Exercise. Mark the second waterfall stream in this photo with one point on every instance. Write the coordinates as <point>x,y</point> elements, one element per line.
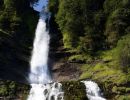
<point>42,85</point>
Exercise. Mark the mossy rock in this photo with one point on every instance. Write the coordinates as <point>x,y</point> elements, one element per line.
<point>13,90</point>
<point>74,90</point>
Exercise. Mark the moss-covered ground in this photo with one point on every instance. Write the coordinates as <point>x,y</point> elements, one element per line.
<point>10,90</point>
<point>107,72</point>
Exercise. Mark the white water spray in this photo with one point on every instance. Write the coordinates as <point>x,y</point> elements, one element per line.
<point>39,67</point>
<point>93,91</point>
<point>46,92</point>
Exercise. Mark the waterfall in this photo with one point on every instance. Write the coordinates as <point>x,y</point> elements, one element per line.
<point>92,90</point>
<point>39,67</point>
<point>39,77</point>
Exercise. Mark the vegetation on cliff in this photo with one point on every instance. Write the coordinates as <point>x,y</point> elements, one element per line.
<point>10,90</point>
<point>96,33</point>
<point>17,25</point>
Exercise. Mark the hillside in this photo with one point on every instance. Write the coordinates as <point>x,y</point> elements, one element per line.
<point>90,39</point>
<point>94,42</point>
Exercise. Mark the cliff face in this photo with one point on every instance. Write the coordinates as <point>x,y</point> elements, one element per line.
<point>89,40</point>
<point>17,27</point>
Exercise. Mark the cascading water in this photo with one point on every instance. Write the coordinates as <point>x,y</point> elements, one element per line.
<point>46,92</point>
<point>93,91</point>
<point>40,79</point>
<point>39,69</point>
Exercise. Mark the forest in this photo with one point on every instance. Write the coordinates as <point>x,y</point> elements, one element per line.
<point>92,34</point>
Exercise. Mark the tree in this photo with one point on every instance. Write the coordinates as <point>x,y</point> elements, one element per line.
<point>123,52</point>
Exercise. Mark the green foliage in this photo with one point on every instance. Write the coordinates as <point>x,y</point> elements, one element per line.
<point>104,73</point>
<point>3,90</point>
<point>111,5</point>
<point>107,55</point>
<point>8,3</point>
<point>86,44</point>
<point>16,5</point>
<point>91,27</point>
<point>108,71</point>
<point>120,90</point>
<point>116,25</point>
<point>53,6</point>
<point>112,80</point>
<point>80,58</point>
<point>123,52</point>
<point>70,20</point>
<point>68,40</point>
<point>123,97</point>
<point>79,25</point>
<point>83,24</point>
<point>11,89</point>
<point>13,21</point>
<point>7,89</point>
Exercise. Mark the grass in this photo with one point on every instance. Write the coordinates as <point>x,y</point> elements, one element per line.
<point>103,73</point>
<point>80,58</point>
<point>107,71</point>
<point>123,97</point>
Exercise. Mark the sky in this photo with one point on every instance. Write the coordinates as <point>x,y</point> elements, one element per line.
<point>40,4</point>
